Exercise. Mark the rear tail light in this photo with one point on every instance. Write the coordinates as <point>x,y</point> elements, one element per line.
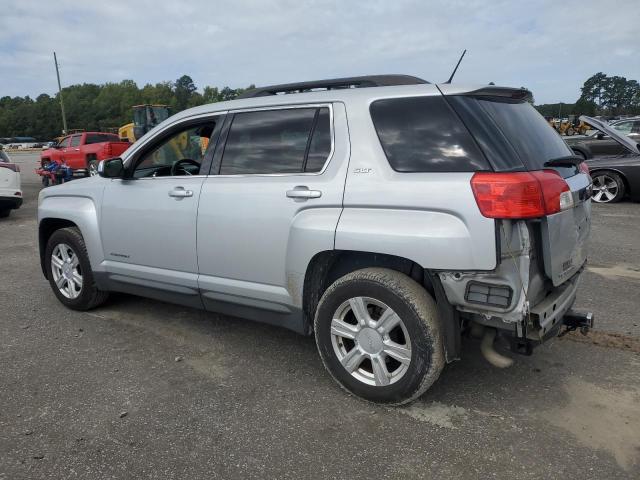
<point>10,166</point>
<point>521,194</point>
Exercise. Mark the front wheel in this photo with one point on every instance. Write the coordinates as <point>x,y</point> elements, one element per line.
<point>379,336</point>
<point>69,271</point>
<point>5,213</point>
<point>608,187</point>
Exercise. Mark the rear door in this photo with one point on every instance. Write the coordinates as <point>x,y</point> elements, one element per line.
<point>275,193</point>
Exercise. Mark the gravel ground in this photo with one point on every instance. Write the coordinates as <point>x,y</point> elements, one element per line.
<point>142,389</point>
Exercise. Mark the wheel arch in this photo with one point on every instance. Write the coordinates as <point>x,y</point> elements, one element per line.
<point>46,228</point>
<point>79,212</point>
<point>327,266</point>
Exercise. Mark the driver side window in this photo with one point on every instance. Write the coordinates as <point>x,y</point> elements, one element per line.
<point>187,147</point>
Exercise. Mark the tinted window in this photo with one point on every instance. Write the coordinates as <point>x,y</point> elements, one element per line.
<point>75,140</point>
<point>320,146</point>
<point>64,143</point>
<point>101,137</point>
<point>269,141</point>
<point>512,134</point>
<point>423,134</point>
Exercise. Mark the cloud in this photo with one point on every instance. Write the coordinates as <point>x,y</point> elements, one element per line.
<point>548,46</point>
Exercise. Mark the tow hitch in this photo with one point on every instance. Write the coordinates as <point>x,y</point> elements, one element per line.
<point>573,320</point>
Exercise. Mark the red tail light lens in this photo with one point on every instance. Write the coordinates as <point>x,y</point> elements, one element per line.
<point>520,194</point>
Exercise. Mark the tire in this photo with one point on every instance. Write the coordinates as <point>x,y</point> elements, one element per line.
<point>5,213</point>
<point>418,334</point>
<point>83,296</point>
<point>608,187</point>
<point>45,181</point>
<point>92,166</point>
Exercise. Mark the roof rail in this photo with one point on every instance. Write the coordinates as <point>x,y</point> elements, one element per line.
<point>334,83</point>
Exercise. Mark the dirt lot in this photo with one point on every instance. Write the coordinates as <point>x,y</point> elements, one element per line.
<point>142,389</point>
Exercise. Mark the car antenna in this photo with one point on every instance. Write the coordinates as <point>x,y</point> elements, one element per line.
<point>457,65</point>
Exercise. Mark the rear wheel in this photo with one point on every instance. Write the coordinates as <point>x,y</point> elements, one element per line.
<point>92,165</point>
<point>69,271</point>
<point>5,213</point>
<point>378,334</point>
<point>608,187</point>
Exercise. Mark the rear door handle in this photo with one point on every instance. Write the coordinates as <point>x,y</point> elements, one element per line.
<point>304,193</point>
<point>180,192</point>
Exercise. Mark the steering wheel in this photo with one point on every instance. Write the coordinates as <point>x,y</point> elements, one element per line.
<point>179,165</point>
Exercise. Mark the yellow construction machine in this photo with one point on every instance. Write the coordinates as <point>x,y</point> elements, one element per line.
<point>145,117</point>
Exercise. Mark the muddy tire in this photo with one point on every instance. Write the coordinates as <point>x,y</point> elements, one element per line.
<point>379,335</point>
<point>69,271</point>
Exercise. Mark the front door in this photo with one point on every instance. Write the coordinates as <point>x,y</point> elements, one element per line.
<point>275,202</point>
<point>148,221</point>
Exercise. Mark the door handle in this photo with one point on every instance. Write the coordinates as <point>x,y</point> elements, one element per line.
<point>77,149</point>
<point>180,192</point>
<point>303,193</point>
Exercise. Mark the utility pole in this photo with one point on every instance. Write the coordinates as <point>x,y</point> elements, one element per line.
<point>64,117</point>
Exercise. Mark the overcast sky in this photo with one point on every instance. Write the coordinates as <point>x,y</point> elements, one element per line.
<point>550,47</point>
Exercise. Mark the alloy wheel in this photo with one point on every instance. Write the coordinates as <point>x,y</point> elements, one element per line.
<point>605,188</point>
<point>66,271</point>
<point>370,341</point>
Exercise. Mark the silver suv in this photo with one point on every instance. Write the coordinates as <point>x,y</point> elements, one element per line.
<point>385,215</point>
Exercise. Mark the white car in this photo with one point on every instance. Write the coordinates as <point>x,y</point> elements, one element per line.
<point>10,191</point>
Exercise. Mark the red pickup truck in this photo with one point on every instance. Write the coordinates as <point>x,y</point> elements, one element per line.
<point>83,151</point>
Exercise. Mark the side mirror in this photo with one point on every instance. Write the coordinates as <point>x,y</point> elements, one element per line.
<point>111,168</point>
<point>600,136</point>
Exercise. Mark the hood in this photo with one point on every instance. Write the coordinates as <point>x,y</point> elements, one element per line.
<point>623,140</point>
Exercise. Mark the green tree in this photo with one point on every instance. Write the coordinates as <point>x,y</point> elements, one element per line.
<point>184,89</point>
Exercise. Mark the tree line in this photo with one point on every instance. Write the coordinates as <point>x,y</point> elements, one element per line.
<point>100,107</point>
<point>600,95</point>
<point>108,106</point>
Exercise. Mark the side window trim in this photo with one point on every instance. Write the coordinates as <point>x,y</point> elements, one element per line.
<point>309,139</point>
<point>217,159</point>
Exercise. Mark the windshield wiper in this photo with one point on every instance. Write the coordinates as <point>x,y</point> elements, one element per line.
<point>566,161</point>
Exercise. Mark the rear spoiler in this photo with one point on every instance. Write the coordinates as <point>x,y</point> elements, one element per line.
<point>513,93</point>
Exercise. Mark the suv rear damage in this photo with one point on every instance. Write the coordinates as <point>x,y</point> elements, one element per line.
<point>540,198</point>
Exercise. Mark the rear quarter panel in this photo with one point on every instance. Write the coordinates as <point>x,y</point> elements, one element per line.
<point>430,218</point>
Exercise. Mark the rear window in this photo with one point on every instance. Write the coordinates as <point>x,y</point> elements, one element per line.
<point>423,134</point>
<point>101,137</point>
<point>511,133</point>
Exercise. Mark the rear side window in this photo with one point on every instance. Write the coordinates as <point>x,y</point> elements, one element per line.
<point>101,137</point>
<point>277,141</point>
<point>423,134</point>
<point>511,133</point>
